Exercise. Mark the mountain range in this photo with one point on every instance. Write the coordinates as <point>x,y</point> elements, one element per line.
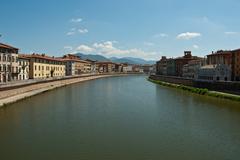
<point>100,58</point>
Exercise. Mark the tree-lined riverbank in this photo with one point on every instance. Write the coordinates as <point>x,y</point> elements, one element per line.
<point>201,91</point>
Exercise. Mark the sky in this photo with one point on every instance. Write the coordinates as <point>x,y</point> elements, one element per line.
<point>145,29</point>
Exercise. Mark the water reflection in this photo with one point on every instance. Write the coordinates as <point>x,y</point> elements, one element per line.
<point>120,118</point>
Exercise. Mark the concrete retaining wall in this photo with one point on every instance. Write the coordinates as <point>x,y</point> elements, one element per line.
<point>228,87</point>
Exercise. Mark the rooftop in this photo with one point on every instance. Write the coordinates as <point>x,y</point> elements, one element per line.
<point>43,56</point>
<point>220,52</point>
<point>73,59</point>
<point>7,46</point>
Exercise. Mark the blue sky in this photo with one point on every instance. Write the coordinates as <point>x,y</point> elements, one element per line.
<point>138,28</point>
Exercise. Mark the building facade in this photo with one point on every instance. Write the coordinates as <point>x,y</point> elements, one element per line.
<point>8,63</point>
<point>23,67</point>
<point>76,66</point>
<point>218,72</point>
<point>171,67</point>
<point>147,68</point>
<point>128,68</point>
<point>236,65</point>
<point>161,66</point>
<point>93,65</point>
<point>105,67</point>
<point>190,70</point>
<point>137,68</point>
<point>231,58</point>
<point>220,57</point>
<point>181,61</point>
<point>87,67</point>
<point>42,66</point>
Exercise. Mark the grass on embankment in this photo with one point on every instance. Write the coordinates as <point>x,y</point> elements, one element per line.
<point>200,91</point>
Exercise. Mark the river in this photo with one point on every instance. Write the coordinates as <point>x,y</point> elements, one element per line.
<point>120,118</point>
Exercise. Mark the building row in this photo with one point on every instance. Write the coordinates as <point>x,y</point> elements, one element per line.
<point>15,66</point>
<point>217,66</point>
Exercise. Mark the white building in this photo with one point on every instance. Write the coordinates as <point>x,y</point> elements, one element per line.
<point>127,68</point>
<point>219,72</point>
<point>70,68</point>
<point>23,67</point>
<point>8,63</point>
<point>190,70</point>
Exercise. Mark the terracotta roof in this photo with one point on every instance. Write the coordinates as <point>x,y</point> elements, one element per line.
<point>7,46</point>
<point>23,56</point>
<point>43,56</point>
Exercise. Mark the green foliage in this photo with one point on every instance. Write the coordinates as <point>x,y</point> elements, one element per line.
<point>224,96</point>
<point>200,91</point>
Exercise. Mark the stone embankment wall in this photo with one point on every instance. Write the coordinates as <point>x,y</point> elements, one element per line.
<point>228,87</point>
<point>13,93</point>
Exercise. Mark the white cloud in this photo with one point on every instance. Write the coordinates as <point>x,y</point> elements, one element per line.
<point>84,48</point>
<point>82,31</point>
<point>70,33</point>
<point>68,48</point>
<point>74,31</point>
<point>195,46</point>
<point>161,35</point>
<point>76,20</point>
<point>231,33</point>
<point>188,35</point>
<point>109,49</point>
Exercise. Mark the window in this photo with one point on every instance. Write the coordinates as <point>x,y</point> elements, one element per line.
<point>4,68</point>
<point>8,58</point>
<point>8,68</point>
<point>4,58</point>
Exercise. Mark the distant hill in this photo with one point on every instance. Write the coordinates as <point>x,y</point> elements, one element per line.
<point>129,60</point>
<point>122,60</point>
<point>93,57</point>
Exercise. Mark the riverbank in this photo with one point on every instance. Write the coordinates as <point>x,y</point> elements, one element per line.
<point>200,91</point>
<point>231,87</point>
<point>18,93</point>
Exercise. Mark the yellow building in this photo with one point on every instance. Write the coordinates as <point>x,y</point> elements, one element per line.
<point>42,66</point>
